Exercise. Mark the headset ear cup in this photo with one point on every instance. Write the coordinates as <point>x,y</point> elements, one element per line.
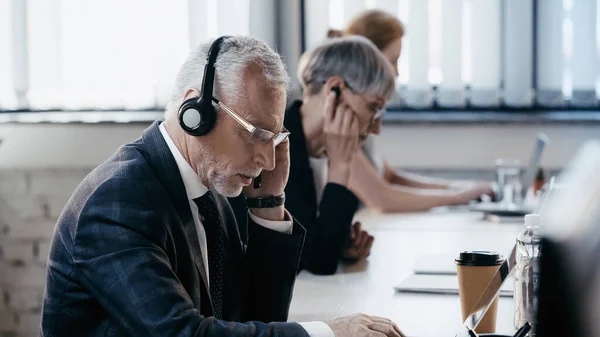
<point>198,116</point>
<point>195,119</point>
<point>209,118</point>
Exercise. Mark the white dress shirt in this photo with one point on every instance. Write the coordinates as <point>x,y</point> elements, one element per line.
<point>195,189</point>
<point>320,168</point>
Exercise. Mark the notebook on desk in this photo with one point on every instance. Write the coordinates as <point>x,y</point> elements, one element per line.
<point>436,274</point>
<point>441,284</point>
<point>435,264</point>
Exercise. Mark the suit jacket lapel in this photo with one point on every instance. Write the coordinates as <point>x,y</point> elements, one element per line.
<point>161,158</point>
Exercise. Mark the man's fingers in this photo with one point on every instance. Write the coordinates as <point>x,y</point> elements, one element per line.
<point>375,334</point>
<point>283,148</point>
<point>397,329</point>
<point>377,319</point>
<point>386,321</point>
<point>385,328</point>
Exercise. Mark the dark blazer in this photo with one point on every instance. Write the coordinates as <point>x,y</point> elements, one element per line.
<point>125,258</point>
<point>326,233</point>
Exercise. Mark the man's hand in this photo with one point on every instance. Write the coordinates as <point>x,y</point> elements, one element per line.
<point>341,139</point>
<point>272,183</point>
<point>364,326</point>
<point>359,244</point>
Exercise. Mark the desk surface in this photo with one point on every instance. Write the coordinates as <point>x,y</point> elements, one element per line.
<point>399,240</point>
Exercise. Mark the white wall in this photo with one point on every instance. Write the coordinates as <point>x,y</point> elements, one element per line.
<point>412,146</point>
<point>476,146</point>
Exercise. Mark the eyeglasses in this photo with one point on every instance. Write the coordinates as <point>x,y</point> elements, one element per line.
<point>377,112</point>
<point>257,135</point>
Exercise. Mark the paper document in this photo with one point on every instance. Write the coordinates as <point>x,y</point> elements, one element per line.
<point>441,284</point>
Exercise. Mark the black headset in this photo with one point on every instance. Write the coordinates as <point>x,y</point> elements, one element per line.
<point>197,116</point>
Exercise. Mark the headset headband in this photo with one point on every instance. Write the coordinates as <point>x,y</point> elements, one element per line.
<point>206,94</point>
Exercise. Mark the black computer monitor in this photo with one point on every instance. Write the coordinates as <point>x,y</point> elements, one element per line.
<point>569,288</point>
<point>559,300</point>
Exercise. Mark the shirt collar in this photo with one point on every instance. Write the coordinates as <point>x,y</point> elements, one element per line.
<point>193,185</point>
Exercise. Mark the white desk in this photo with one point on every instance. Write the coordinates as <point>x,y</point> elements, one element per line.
<point>399,240</point>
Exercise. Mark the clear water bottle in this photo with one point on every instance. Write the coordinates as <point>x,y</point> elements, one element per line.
<point>527,273</point>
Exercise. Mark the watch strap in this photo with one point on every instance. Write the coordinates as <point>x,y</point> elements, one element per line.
<point>266,202</point>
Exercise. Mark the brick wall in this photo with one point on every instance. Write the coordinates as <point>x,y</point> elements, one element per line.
<point>30,203</point>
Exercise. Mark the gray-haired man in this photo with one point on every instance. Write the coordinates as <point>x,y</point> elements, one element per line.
<point>149,246</point>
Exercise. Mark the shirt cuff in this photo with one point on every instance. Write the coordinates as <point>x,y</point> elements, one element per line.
<point>317,329</point>
<point>284,227</point>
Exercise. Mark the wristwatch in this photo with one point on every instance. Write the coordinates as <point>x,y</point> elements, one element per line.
<point>266,202</point>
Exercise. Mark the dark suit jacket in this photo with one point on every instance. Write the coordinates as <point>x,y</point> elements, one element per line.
<point>326,233</point>
<point>125,258</point>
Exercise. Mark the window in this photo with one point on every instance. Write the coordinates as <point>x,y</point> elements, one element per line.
<point>109,54</point>
<point>457,54</point>
<point>522,54</point>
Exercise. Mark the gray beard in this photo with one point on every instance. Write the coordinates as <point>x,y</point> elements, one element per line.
<point>219,182</point>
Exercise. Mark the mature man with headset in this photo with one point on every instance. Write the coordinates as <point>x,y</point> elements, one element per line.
<point>149,246</point>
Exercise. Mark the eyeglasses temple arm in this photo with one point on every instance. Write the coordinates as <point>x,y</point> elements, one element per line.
<point>235,116</point>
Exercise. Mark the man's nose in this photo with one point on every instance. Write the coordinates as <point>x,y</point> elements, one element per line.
<point>264,155</point>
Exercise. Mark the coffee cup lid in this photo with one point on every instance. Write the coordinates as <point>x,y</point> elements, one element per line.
<point>479,258</point>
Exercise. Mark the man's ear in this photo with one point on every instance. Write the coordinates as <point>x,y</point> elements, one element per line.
<point>191,92</point>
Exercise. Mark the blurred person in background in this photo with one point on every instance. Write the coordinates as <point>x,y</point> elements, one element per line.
<point>345,83</point>
<point>378,185</point>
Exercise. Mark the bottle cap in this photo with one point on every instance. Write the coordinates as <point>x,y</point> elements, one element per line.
<point>532,220</point>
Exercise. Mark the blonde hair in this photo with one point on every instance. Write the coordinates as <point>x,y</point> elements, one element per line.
<point>376,25</point>
<point>354,58</point>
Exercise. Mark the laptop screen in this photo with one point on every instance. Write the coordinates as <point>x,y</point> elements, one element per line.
<point>534,163</point>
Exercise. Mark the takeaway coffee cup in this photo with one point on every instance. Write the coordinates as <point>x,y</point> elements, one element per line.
<point>475,270</point>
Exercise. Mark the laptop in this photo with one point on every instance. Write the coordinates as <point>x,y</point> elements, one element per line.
<point>518,209</point>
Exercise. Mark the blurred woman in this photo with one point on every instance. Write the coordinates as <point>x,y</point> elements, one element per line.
<point>346,82</point>
<point>377,184</point>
